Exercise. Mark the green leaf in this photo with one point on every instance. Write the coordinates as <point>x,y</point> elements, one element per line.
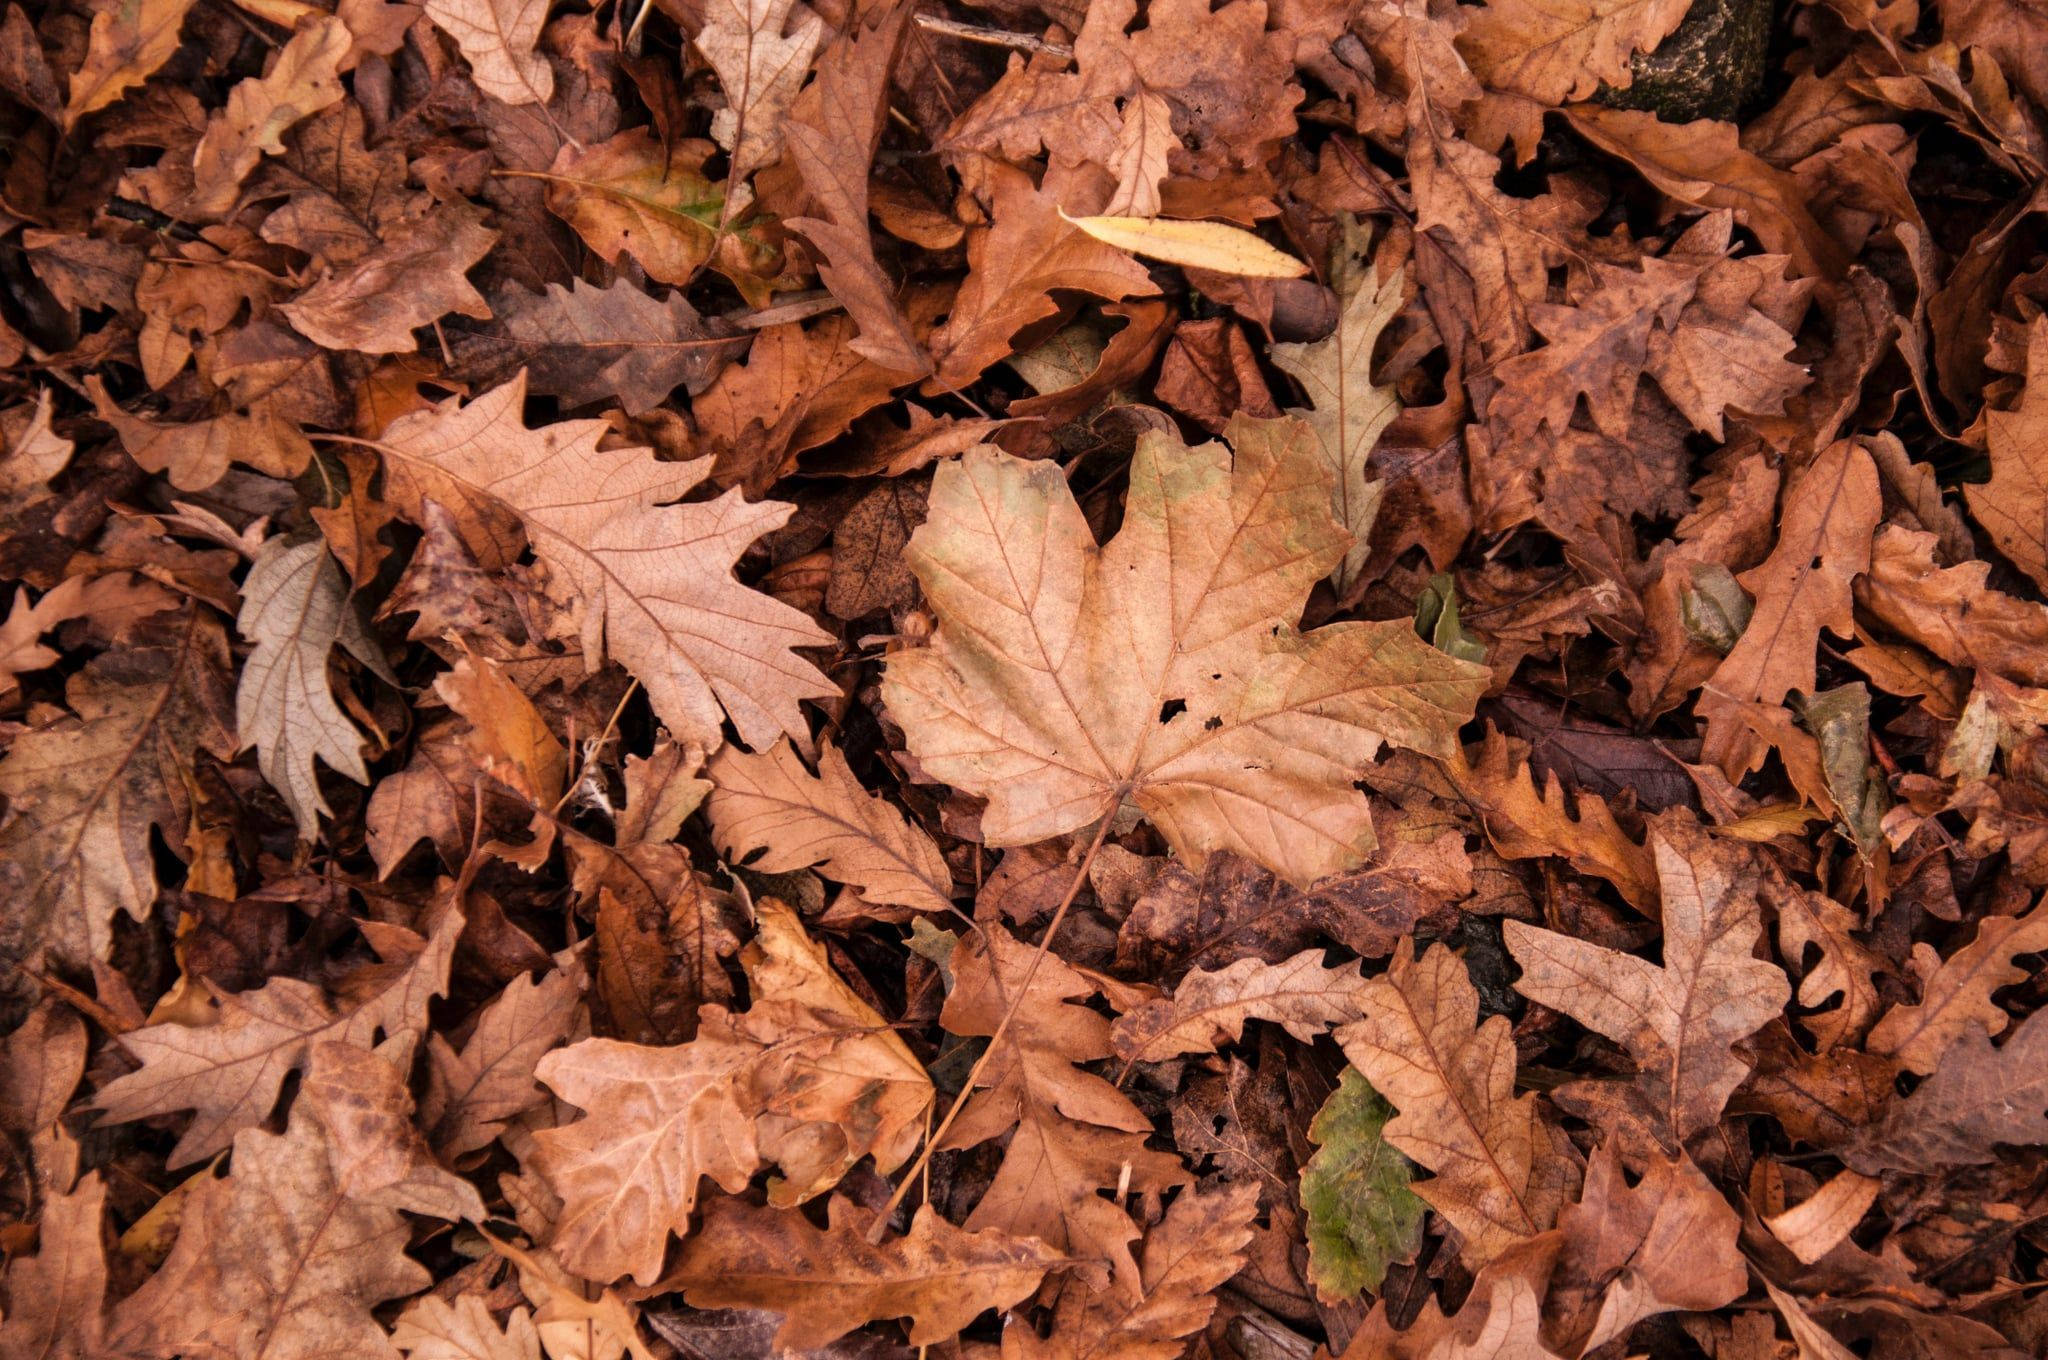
<point>1362,1217</point>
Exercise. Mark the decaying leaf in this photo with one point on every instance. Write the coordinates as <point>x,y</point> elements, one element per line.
<point>1362,1217</point>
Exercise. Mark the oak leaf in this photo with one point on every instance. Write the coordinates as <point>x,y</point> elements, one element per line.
<point>769,803</point>
<point>498,38</point>
<point>1163,669</point>
<point>2013,505</point>
<point>1193,1250</point>
<point>55,1297</point>
<point>1362,1216</point>
<point>1977,1099</point>
<point>86,791</point>
<point>288,1255</point>
<point>374,303</point>
<point>196,453</point>
<point>810,1079</point>
<point>470,1094</point>
<point>633,195</point>
<point>588,345</point>
<point>1681,1020</point>
<point>304,79</point>
<point>124,47</point>
<point>1502,1169</point>
<point>296,608</point>
<point>229,1072</point>
<point>761,50</point>
<point>826,1282</point>
<point>431,1328</point>
<point>1955,993</point>
<point>1209,1009</point>
<point>1551,52</point>
<point>1952,611</point>
<point>651,580</point>
<point>1500,1319</point>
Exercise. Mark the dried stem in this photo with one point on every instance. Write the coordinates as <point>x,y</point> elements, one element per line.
<point>994,37</point>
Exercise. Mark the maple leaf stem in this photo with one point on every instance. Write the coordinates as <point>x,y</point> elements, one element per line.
<point>910,1176</point>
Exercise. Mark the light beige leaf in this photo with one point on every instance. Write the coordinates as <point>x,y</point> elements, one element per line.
<point>1210,1007</point>
<point>1956,994</point>
<point>761,50</point>
<point>652,579</point>
<point>295,608</point>
<point>1349,410</point>
<point>1215,246</point>
<point>1502,1170</point>
<point>431,1328</point>
<point>229,1072</point>
<point>771,803</point>
<point>498,37</point>
<point>826,1282</point>
<point>810,1079</point>
<point>1818,1224</point>
<point>55,1296</point>
<point>1162,669</point>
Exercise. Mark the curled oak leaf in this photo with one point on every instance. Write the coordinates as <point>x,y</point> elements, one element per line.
<point>761,50</point>
<point>296,608</point>
<point>1978,1098</point>
<point>55,1297</point>
<point>472,1093</point>
<point>652,580</point>
<point>498,38</point>
<point>1679,1021</point>
<point>1951,611</point>
<point>810,1079</point>
<point>1955,993</point>
<point>633,195</point>
<point>85,792</point>
<point>1845,968</point>
<point>196,453</point>
<point>1013,267</point>
<point>1072,1133</point>
<point>288,1255</point>
<point>770,803</point>
<point>431,1328</point>
<point>1163,669</point>
<point>374,303</point>
<point>1666,1244</point>
<point>1502,1168</point>
<point>1349,410</point>
<point>304,79</point>
<point>229,1072</point>
<point>1824,541</point>
<point>2013,505</point>
<point>826,1282</point>
<point>1193,1250</point>
<point>1209,1009</point>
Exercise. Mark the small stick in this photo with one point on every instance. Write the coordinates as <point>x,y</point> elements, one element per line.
<point>994,37</point>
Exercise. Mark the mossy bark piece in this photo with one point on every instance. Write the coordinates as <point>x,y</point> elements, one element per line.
<point>1710,67</point>
<point>1362,1217</point>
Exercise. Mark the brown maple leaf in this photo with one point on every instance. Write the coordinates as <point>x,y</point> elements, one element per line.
<point>809,1079</point>
<point>1679,1021</point>
<point>1067,678</point>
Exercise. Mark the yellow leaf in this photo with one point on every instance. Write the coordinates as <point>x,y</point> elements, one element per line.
<point>1196,245</point>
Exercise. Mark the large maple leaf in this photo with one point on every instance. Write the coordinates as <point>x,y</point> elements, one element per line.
<point>653,579</point>
<point>1164,668</point>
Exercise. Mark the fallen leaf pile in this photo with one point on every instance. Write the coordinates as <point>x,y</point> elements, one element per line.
<point>900,680</point>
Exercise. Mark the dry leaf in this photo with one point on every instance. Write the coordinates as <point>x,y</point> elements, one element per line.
<point>498,37</point>
<point>1214,246</point>
<point>1209,1009</point>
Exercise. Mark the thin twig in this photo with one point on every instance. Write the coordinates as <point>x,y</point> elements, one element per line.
<point>994,37</point>
<point>995,1040</point>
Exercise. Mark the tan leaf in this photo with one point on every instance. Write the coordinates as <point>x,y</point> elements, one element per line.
<point>652,579</point>
<point>1815,1342</point>
<point>588,345</point>
<point>633,195</point>
<point>304,79</point>
<point>826,1282</point>
<point>1066,679</point>
<point>2013,505</point>
<point>772,804</point>
<point>471,1094</point>
<point>1955,994</point>
<point>1823,1220</point>
<point>375,302</point>
<point>85,792</point>
<point>1072,1133</point>
<point>44,1057</point>
<point>125,46</point>
<point>761,50</point>
<point>431,1328</point>
<point>1679,1020</point>
<point>55,1297</point>
<point>1846,967</point>
<point>229,1072</point>
<point>1349,410</point>
<point>498,38</point>
<point>1951,611</point>
<point>288,1255</point>
<point>1824,541</point>
<point>809,1079</point>
<point>506,731</point>
<point>1013,266</point>
<point>1978,1098</point>
<point>1209,1009</point>
<point>197,454</point>
<point>1555,51</point>
<point>1501,1318</point>
<point>1195,1248</point>
<point>1215,246</point>
<point>1502,1169</point>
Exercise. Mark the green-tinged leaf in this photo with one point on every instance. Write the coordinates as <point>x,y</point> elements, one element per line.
<point>1362,1217</point>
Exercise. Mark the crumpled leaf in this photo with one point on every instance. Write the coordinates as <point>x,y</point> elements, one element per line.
<point>1066,680</point>
<point>826,1282</point>
<point>375,302</point>
<point>1209,1009</point>
<point>296,608</point>
<point>1679,1020</point>
<point>1362,1217</point>
<point>809,1078</point>
<point>769,803</point>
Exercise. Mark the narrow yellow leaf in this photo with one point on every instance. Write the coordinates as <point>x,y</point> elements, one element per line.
<point>1197,245</point>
